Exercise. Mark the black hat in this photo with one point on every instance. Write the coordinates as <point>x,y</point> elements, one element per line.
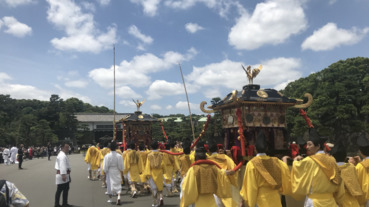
<point>362,141</point>
<point>300,140</point>
<point>338,149</point>
<point>315,137</point>
<point>260,142</point>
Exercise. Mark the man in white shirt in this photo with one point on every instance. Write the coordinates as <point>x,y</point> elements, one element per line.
<point>63,169</point>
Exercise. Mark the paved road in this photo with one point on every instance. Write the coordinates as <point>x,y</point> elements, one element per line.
<point>37,182</point>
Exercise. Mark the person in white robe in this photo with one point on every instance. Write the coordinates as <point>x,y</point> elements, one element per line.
<point>13,154</point>
<point>113,166</point>
<point>6,156</point>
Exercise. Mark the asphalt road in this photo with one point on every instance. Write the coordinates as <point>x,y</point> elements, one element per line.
<point>37,182</point>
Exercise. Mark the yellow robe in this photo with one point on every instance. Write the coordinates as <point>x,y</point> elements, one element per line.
<point>171,166</point>
<point>133,165</point>
<point>176,159</point>
<point>143,155</point>
<point>352,186</point>
<point>156,173</point>
<point>363,175</point>
<point>308,179</point>
<point>93,157</point>
<point>104,151</point>
<point>184,163</point>
<point>192,156</point>
<point>192,188</point>
<point>256,189</point>
<point>227,163</point>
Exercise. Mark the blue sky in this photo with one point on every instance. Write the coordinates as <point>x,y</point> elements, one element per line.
<point>65,47</point>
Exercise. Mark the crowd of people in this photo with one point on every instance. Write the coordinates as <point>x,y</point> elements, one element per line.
<point>320,174</point>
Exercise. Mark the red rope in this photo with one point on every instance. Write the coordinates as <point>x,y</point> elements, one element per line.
<point>307,119</point>
<point>242,137</point>
<point>202,132</point>
<point>209,162</point>
<point>171,153</point>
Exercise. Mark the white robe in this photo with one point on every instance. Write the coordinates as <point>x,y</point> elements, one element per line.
<point>6,156</point>
<point>14,152</point>
<point>113,166</point>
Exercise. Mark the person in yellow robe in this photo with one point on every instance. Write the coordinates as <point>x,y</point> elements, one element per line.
<point>171,168</point>
<point>226,163</point>
<point>173,148</point>
<point>349,176</point>
<point>132,167</point>
<point>316,177</point>
<point>154,170</point>
<point>104,151</point>
<point>184,160</point>
<point>143,156</point>
<point>93,158</point>
<point>202,182</point>
<point>265,178</point>
<point>362,170</point>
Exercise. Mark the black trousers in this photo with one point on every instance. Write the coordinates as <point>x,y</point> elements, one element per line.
<point>62,188</point>
<point>20,160</point>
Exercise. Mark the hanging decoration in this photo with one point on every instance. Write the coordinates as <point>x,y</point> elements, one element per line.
<point>241,137</point>
<point>123,137</point>
<point>162,128</point>
<point>307,119</point>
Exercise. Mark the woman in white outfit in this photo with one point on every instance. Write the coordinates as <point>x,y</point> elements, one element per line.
<point>113,166</point>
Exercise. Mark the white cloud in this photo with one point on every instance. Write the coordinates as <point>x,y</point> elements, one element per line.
<point>221,6</point>
<point>1,23</point>
<point>160,88</point>
<point>76,84</point>
<point>332,2</point>
<point>127,103</point>
<point>272,22</point>
<point>211,93</point>
<point>155,107</point>
<point>169,107</point>
<point>329,37</point>
<point>182,105</point>
<point>19,91</point>
<point>16,28</point>
<point>82,33</point>
<point>135,72</point>
<point>126,92</point>
<point>134,31</point>
<point>230,74</point>
<point>4,77</point>
<point>15,3</point>
<point>66,94</point>
<point>193,27</point>
<point>103,2</point>
<point>150,6</point>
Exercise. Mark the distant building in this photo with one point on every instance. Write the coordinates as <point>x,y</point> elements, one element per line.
<point>100,124</point>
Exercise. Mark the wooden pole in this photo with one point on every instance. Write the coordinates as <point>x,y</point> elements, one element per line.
<point>188,102</point>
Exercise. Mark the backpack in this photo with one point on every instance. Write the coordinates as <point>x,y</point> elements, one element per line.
<point>4,199</point>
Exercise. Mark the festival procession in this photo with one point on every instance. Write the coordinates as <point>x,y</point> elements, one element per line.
<point>251,162</point>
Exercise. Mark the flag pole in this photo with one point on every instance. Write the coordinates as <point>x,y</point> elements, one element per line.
<point>114,126</point>
<point>188,102</point>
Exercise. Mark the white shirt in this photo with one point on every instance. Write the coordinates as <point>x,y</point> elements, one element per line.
<point>62,164</point>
